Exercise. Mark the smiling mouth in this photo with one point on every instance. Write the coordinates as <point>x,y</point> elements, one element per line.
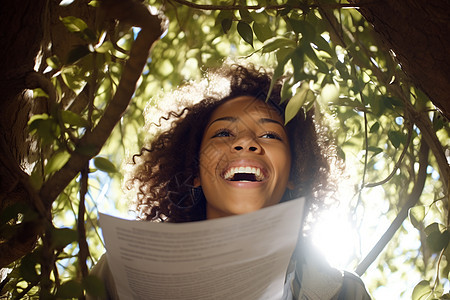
<point>244,174</point>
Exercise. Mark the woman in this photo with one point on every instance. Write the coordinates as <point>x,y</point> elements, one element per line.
<point>233,154</point>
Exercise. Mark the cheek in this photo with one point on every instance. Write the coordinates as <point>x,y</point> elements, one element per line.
<point>283,160</point>
<point>210,155</point>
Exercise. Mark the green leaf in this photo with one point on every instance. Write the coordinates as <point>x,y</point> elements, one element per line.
<point>245,15</point>
<point>45,127</point>
<point>28,267</point>
<point>300,26</point>
<point>298,62</point>
<point>39,93</point>
<point>34,118</point>
<point>65,2</point>
<point>223,14</point>
<point>397,138</point>
<point>104,165</point>
<point>309,51</point>
<point>61,237</point>
<point>278,72</point>
<point>73,119</point>
<point>330,93</point>
<point>438,121</point>
<point>94,3</point>
<point>374,128</point>
<point>286,91</point>
<point>322,44</point>
<point>377,104</point>
<point>375,150</point>
<point>343,71</point>
<point>36,179</point>
<point>74,24</point>
<point>105,47</point>
<point>284,54</point>
<point>226,25</point>
<point>94,286</point>
<point>276,43</point>
<point>259,17</point>
<point>246,32</point>
<point>437,240</point>
<point>340,153</point>
<point>69,290</point>
<point>393,102</point>
<point>262,31</point>
<point>303,95</point>
<point>422,291</point>
<point>11,212</point>
<point>433,227</point>
<point>72,78</point>
<point>417,215</point>
<point>77,53</point>
<point>89,35</point>
<point>53,62</point>
<point>56,162</point>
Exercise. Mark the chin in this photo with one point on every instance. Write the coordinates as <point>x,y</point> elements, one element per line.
<point>246,209</point>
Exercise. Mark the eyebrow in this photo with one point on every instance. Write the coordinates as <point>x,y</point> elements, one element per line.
<point>234,119</point>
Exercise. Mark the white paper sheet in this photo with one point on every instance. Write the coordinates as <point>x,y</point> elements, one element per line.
<point>238,257</point>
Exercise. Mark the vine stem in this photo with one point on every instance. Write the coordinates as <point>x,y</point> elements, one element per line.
<point>256,7</point>
<point>366,148</point>
<point>397,164</point>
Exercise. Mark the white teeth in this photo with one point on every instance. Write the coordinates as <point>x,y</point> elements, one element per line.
<point>249,170</point>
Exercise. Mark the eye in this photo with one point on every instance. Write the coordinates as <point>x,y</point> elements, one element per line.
<point>271,135</point>
<point>223,132</point>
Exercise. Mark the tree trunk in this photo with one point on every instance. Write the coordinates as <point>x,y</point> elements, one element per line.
<point>417,32</point>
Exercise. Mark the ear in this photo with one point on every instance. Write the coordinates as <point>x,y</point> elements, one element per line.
<point>197,182</point>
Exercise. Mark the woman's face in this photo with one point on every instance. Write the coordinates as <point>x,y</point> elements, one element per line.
<point>245,158</point>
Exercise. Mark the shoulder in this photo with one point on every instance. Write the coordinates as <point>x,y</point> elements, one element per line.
<point>314,278</point>
<point>102,271</point>
<point>353,288</point>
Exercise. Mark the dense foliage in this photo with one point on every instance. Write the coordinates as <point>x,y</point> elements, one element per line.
<point>389,134</point>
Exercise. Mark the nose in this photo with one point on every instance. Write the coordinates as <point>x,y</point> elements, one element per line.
<point>246,143</point>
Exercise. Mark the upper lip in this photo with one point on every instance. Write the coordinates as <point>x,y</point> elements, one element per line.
<point>245,166</point>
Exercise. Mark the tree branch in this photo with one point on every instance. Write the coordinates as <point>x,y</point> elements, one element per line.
<point>82,242</point>
<point>412,199</point>
<point>255,7</point>
<point>91,143</point>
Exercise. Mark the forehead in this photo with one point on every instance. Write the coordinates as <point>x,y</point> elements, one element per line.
<point>246,106</point>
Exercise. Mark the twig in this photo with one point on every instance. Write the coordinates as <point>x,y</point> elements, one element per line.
<point>412,199</point>
<point>83,246</point>
<point>47,261</point>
